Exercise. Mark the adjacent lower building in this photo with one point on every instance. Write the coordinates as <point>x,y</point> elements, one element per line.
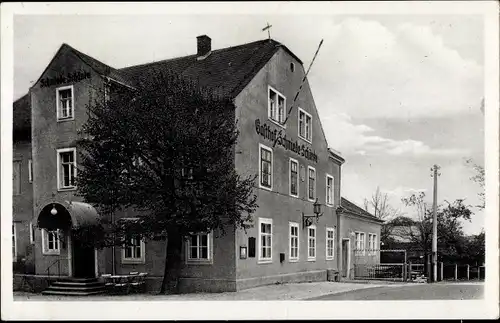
<point>296,169</point>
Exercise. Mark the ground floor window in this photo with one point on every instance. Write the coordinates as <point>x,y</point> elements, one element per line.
<point>294,241</point>
<point>330,243</point>
<point>311,243</point>
<point>199,248</point>
<point>372,243</point>
<point>265,240</point>
<point>32,233</point>
<point>14,243</point>
<point>50,242</point>
<point>133,250</point>
<point>360,243</point>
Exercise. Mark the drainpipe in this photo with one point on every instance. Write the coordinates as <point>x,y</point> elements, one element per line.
<point>113,260</point>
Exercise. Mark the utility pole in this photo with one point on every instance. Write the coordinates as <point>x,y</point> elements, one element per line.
<point>435,174</point>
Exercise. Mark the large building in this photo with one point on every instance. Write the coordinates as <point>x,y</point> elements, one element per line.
<point>294,164</point>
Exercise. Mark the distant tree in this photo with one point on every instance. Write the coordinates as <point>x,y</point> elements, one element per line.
<point>417,231</point>
<point>479,179</point>
<point>167,152</point>
<point>380,207</point>
<point>475,249</point>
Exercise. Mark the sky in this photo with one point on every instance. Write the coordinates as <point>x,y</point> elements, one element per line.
<point>395,93</point>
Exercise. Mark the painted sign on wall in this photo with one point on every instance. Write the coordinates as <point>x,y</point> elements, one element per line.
<point>72,77</point>
<point>280,139</point>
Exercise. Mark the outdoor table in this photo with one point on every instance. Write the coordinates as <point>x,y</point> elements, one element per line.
<point>120,282</point>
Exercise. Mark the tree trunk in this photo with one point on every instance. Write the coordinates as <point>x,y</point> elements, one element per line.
<point>172,262</point>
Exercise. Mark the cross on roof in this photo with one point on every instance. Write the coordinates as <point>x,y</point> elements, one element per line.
<point>268,28</point>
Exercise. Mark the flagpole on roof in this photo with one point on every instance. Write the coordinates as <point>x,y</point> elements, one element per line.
<point>302,83</point>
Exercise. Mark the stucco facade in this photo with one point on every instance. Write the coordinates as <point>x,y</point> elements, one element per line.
<point>268,255</point>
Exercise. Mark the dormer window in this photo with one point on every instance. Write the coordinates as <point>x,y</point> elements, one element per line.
<point>65,103</point>
<point>276,106</point>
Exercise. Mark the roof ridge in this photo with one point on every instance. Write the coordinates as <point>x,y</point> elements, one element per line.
<point>125,69</point>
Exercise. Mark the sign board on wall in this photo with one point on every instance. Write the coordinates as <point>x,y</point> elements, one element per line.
<point>72,77</point>
<point>280,139</point>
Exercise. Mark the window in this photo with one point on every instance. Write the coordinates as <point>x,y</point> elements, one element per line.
<point>32,233</point>
<point>50,242</point>
<point>30,170</point>
<point>199,248</point>
<point>266,167</point>
<point>16,177</point>
<point>360,243</point>
<point>187,173</point>
<point>294,177</point>
<point>305,125</point>
<point>311,242</point>
<point>311,183</point>
<point>265,240</point>
<point>329,190</point>
<point>294,241</point>
<point>133,250</point>
<point>64,102</point>
<point>66,172</point>
<point>276,109</point>
<point>372,243</point>
<point>292,67</point>
<point>14,243</point>
<point>330,243</point>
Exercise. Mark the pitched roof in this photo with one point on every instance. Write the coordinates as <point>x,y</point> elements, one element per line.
<point>356,210</point>
<point>229,69</point>
<point>21,116</point>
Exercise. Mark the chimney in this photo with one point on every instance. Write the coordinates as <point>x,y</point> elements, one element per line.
<point>204,46</point>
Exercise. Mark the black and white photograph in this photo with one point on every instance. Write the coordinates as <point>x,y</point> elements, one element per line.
<point>322,160</point>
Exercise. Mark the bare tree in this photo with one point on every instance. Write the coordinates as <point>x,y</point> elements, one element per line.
<point>379,206</point>
<point>479,179</point>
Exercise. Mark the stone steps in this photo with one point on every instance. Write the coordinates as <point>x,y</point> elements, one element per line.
<point>75,287</point>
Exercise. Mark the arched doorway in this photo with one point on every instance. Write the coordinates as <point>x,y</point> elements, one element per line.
<point>65,217</point>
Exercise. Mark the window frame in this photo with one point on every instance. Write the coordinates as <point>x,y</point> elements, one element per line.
<point>290,226</point>
<point>291,160</point>
<point>311,258</point>
<point>330,229</point>
<point>58,114</point>
<point>261,146</point>
<point>306,114</point>
<point>142,246</point>
<point>200,261</point>
<point>308,184</point>
<point>45,243</point>
<point>362,251</point>
<point>14,241</point>
<point>372,238</point>
<point>19,182</point>
<point>30,170</point>
<point>269,221</point>
<point>59,165</point>
<point>32,233</point>
<point>332,200</point>
<point>269,117</point>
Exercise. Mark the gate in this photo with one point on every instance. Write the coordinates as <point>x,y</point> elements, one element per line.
<point>373,264</point>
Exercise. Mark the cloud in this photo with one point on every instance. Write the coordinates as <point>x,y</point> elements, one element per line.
<point>359,139</point>
<point>369,70</point>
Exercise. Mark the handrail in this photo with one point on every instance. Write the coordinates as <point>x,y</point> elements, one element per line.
<point>58,262</point>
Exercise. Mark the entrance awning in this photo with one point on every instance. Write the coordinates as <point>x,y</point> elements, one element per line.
<point>82,214</point>
<point>74,214</point>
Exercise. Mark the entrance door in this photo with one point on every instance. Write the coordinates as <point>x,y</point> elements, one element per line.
<point>345,257</point>
<point>83,260</point>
